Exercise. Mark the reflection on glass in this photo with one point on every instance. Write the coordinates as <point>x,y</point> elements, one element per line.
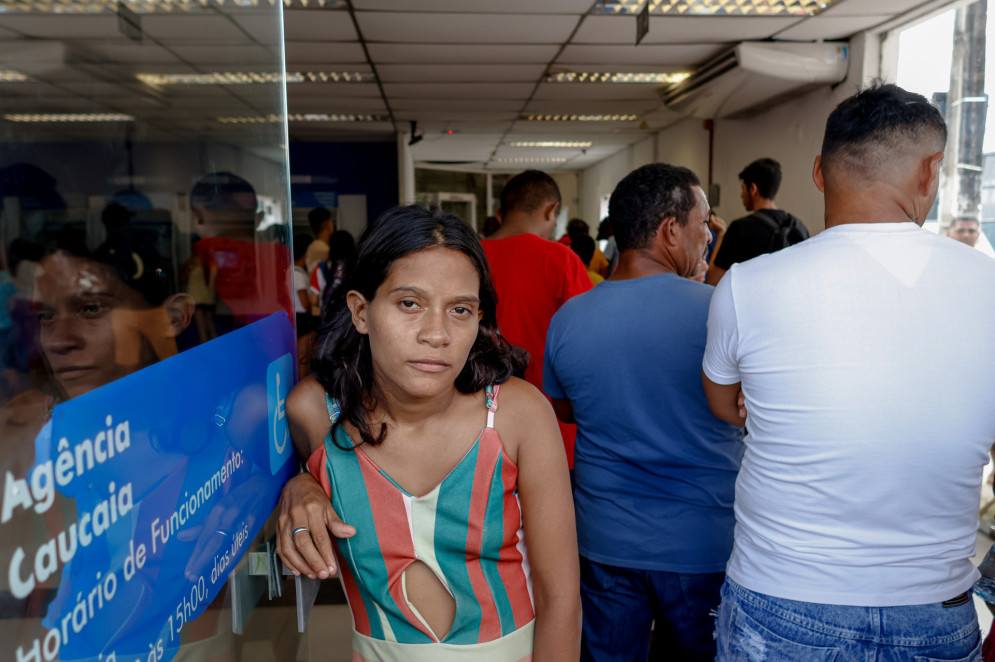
<point>134,226</point>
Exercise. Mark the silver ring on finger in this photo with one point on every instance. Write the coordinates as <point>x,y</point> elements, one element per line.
<point>298,530</point>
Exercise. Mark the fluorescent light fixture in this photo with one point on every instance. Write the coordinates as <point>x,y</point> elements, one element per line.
<point>69,117</point>
<point>603,77</point>
<point>552,143</point>
<point>254,77</point>
<point>535,160</point>
<point>577,118</point>
<point>717,7</point>
<point>302,117</point>
<point>149,6</point>
<point>12,77</point>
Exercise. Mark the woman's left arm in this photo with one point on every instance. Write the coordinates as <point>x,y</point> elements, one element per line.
<point>548,513</point>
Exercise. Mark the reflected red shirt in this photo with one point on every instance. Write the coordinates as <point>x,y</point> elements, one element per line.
<point>254,278</point>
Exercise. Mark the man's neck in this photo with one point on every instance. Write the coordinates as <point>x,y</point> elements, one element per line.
<point>516,224</point>
<point>763,203</point>
<point>880,204</point>
<point>634,264</point>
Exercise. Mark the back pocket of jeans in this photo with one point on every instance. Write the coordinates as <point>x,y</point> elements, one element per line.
<point>749,641</point>
<point>973,656</point>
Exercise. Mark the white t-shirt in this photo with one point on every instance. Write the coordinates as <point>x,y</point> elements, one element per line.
<point>301,282</point>
<point>865,355</point>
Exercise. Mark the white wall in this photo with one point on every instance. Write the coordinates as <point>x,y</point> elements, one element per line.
<point>601,178</point>
<point>790,132</point>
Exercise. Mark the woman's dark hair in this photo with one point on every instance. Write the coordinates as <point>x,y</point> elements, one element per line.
<point>342,361</point>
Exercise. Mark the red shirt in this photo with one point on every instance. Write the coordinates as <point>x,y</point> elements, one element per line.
<point>533,278</point>
<point>254,278</point>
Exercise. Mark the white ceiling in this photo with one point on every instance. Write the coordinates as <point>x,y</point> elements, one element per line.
<point>465,70</point>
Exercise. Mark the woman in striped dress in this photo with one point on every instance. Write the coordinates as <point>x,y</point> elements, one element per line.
<point>450,472</point>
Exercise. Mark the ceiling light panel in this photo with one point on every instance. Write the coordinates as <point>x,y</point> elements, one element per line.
<point>69,117</point>
<point>302,117</point>
<point>150,6</point>
<point>716,7</point>
<point>252,77</point>
<point>12,77</point>
<point>580,144</point>
<point>578,118</point>
<point>606,77</point>
<point>532,160</point>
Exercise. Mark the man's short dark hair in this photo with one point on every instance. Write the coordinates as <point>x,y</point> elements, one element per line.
<point>865,129</point>
<point>223,190</point>
<point>645,197</point>
<point>583,246</point>
<point>301,241</point>
<point>577,226</point>
<point>529,191</point>
<point>766,174</point>
<point>317,217</point>
<point>965,219</point>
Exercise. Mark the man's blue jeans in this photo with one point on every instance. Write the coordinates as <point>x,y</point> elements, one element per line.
<point>622,604</point>
<point>753,627</point>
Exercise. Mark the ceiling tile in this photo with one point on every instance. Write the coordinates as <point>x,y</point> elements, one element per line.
<point>443,91</point>
<point>322,26</point>
<point>592,107</point>
<point>462,73</point>
<point>297,104</point>
<point>679,29</point>
<point>480,6</point>
<point>315,53</point>
<point>464,127</point>
<point>464,53</point>
<point>227,56</point>
<point>863,8</point>
<point>622,55</point>
<point>821,27</point>
<point>131,53</point>
<point>593,91</point>
<point>471,105</point>
<point>50,26</point>
<point>261,28</point>
<point>210,29</point>
<point>450,116</point>
<point>334,90</point>
<point>405,27</point>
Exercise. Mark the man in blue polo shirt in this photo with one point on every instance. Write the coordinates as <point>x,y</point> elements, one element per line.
<point>654,468</point>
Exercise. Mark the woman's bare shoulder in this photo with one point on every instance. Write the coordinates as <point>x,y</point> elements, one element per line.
<point>521,408</point>
<point>306,402</point>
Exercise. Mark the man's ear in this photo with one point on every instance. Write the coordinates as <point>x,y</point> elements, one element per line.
<point>180,309</point>
<point>552,211</point>
<point>359,307</point>
<point>667,234</point>
<point>817,176</point>
<point>929,173</point>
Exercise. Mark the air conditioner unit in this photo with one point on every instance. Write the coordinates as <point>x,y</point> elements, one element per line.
<point>754,76</point>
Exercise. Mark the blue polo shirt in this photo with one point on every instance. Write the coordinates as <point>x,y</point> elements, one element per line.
<point>655,470</point>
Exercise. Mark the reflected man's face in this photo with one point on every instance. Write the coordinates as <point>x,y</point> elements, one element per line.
<point>966,232</point>
<point>93,326</point>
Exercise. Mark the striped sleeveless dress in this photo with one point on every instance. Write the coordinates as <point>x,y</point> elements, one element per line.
<point>468,530</point>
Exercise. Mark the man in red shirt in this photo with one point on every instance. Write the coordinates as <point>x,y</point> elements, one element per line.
<point>254,277</point>
<point>533,275</point>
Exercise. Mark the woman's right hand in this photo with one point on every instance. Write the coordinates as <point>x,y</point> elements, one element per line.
<point>304,504</point>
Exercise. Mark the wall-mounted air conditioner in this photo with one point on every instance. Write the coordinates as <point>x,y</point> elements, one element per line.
<point>754,76</point>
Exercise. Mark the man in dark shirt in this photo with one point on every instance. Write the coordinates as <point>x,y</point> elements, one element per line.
<point>754,235</point>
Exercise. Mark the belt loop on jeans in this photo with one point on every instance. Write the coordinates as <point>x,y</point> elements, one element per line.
<point>961,599</point>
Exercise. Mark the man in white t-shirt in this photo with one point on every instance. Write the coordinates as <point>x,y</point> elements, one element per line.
<point>856,505</point>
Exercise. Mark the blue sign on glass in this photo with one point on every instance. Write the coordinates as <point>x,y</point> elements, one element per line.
<point>158,482</point>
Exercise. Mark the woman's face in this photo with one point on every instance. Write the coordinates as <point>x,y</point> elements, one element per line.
<point>93,326</point>
<point>422,322</point>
